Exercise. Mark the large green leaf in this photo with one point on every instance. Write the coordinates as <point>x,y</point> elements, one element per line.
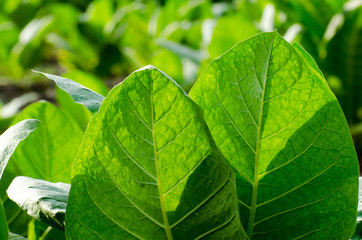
<point>4,232</point>
<point>48,153</point>
<point>43,200</point>
<point>307,57</point>
<point>148,169</point>
<point>10,139</point>
<point>274,118</point>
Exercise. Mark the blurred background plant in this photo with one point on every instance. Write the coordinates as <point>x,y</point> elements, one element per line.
<point>98,43</point>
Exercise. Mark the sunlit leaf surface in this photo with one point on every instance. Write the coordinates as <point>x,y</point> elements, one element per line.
<point>49,152</point>
<point>147,169</point>
<point>274,118</point>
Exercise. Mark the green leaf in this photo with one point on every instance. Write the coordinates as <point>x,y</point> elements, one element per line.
<point>79,112</point>
<point>4,232</point>
<point>17,219</point>
<point>275,120</point>
<point>41,231</point>
<point>307,57</point>
<point>10,139</point>
<point>148,169</point>
<point>13,236</point>
<point>78,92</point>
<point>25,53</point>
<point>182,51</point>
<point>43,200</point>
<point>48,153</point>
<point>88,80</point>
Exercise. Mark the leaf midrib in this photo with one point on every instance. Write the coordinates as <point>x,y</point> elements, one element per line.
<point>257,153</point>
<point>159,185</point>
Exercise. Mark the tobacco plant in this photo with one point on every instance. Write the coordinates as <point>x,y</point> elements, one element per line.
<point>259,149</point>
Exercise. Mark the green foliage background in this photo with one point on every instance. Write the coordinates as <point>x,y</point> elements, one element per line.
<point>98,43</point>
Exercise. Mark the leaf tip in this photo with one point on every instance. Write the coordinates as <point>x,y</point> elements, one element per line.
<point>148,67</point>
<point>38,72</point>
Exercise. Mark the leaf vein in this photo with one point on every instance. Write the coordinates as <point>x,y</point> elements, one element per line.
<point>127,153</point>
<point>105,214</point>
<point>202,203</point>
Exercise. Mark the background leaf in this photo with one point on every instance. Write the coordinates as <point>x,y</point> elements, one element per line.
<point>148,169</point>
<point>10,139</point>
<point>13,236</point>
<point>274,118</point>
<point>79,112</point>
<point>47,154</point>
<point>221,42</point>
<point>43,200</point>
<point>41,231</point>
<point>78,92</point>
<point>344,60</point>
<point>4,232</point>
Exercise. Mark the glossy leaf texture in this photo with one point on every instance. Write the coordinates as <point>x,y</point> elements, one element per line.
<point>344,60</point>
<point>81,94</point>
<point>278,124</point>
<point>43,200</point>
<point>4,232</point>
<point>10,139</point>
<point>49,152</point>
<point>148,169</point>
